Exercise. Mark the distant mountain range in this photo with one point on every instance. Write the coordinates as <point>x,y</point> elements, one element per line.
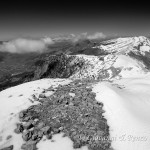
<point>96,93</point>
<point>104,59</point>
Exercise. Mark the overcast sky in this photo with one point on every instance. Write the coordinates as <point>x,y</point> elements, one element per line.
<point>35,19</point>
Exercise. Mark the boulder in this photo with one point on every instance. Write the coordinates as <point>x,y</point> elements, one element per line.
<point>56,130</point>
<point>26,118</point>
<point>28,125</point>
<point>61,128</point>
<point>35,135</point>
<point>40,125</point>
<point>35,121</point>
<point>34,97</point>
<point>30,145</point>
<point>76,145</point>
<point>40,134</point>
<point>27,135</point>
<point>19,128</point>
<point>42,95</point>
<point>22,114</point>
<point>46,130</point>
<point>49,136</point>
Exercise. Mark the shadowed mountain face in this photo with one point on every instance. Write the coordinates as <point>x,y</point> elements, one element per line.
<point>18,68</point>
<point>109,59</point>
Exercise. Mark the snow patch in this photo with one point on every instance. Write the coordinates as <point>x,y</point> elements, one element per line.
<point>127,111</point>
<point>58,142</point>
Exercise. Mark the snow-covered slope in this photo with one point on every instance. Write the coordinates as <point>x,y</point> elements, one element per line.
<point>125,45</point>
<point>127,106</point>
<point>118,62</point>
<point>113,66</point>
<point>122,85</point>
<point>18,98</point>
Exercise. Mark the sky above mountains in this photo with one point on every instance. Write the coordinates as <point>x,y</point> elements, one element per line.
<point>35,19</point>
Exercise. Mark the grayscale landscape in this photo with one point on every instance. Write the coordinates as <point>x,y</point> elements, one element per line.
<point>74,76</point>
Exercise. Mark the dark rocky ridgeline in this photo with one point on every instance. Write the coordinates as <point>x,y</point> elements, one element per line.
<point>87,47</point>
<point>53,66</point>
<point>19,68</point>
<point>142,58</point>
<point>57,66</point>
<point>73,110</point>
<point>13,80</point>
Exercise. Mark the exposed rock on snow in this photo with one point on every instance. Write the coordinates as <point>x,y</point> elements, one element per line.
<point>11,106</point>
<point>78,117</point>
<point>125,45</point>
<point>44,113</point>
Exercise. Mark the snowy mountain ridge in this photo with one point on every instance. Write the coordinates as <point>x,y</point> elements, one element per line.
<point>106,60</point>
<point>123,57</point>
<point>112,66</point>
<point>118,63</point>
<point>119,80</point>
<point>125,45</point>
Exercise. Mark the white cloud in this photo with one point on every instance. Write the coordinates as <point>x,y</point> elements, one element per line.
<point>79,37</point>
<point>97,35</point>
<point>24,45</point>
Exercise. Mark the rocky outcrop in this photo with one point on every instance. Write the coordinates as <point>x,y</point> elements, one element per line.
<point>78,116</point>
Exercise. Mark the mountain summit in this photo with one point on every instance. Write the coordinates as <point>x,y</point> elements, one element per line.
<point>125,45</point>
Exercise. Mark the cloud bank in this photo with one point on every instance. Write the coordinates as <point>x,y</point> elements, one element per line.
<point>97,35</point>
<point>81,36</point>
<point>25,45</point>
